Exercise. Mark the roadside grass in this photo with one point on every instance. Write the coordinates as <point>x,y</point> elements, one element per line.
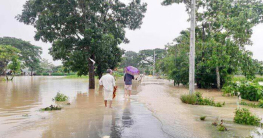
<point>243,78</point>
<point>198,99</point>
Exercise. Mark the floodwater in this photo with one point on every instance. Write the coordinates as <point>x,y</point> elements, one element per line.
<point>182,120</point>
<point>86,116</point>
<point>153,111</point>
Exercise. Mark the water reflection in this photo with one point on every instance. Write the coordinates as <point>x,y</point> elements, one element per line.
<point>126,116</point>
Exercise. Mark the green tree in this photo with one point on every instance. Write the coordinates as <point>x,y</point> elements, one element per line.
<point>30,54</point>
<point>130,58</point>
<point>9,59</point>
<point>224,28</point>
<point>146,58</point>
<point>14,66</point>
<point>45,66</point>
<point>78,28</point>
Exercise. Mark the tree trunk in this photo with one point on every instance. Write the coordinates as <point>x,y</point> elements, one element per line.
<point>91,75</point>
<point>31,71</point>
<point>13,74</point>
<point>218,77</point>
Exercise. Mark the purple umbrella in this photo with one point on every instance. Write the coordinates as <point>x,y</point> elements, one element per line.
<point>132,70</point>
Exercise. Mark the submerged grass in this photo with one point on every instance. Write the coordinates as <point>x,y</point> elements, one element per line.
<point>51,107</point>
<point>202,118</point>
<point>253,105</point>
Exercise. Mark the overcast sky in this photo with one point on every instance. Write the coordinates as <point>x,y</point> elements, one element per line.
<point>160,26</point>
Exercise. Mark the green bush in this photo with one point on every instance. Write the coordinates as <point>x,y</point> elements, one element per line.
<point>61,97</point>
<point>189,99</point>
<point>197,99</point>
<point>260,104</point>
<point>250,91</point>
<point>244,116</point>
<point>230,89</point>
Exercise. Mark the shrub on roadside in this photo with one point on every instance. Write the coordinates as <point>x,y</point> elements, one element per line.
<point>197,99</point>
<point>61,97</point>
<point>260,104</point>
<point>230,89</point>
<point>250,91</point>
<point>244,116</point>
<point>189,99</point>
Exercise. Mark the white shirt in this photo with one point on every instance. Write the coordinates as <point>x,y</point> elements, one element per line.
<point>108,82</point>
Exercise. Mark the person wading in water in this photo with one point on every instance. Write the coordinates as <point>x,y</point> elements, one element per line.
<point>128,84</point>
<point>108,83</point>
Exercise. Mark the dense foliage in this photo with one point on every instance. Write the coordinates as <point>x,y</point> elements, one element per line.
<point>251,91</point>
<point>83,30</point>
<point>230,89</point>
<point>224,28</point>
<point>244,116</point>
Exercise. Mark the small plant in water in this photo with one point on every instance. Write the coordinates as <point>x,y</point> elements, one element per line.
<point>202,118</point>
<point>61,97</point>
<point>221,127</point>
<point>26,115</point>
<point>51,107</point>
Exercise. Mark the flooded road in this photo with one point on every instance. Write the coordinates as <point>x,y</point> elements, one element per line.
<point>182,120</point>
<point>153,111</point>
<point>86,116</point>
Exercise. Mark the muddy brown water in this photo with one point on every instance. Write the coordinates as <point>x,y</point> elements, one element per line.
<point>86,116</point>
<point>153,111</point>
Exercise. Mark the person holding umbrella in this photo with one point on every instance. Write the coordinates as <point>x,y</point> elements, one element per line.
<point>130,71</point>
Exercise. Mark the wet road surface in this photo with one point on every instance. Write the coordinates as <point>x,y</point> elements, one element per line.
<point>85,117</point>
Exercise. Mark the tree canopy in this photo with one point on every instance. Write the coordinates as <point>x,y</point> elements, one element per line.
<point>80,29</point>
<point>30,54</point>
<point>8,54</point>
<point>224,28</point>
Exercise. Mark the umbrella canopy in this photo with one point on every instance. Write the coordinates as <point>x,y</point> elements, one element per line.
<point>132,70</point>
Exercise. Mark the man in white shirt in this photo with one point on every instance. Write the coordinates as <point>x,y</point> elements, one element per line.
<point>108,83</point>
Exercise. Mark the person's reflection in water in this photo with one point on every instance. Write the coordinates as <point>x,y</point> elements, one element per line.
<point>126,116</point>
<point>107,124</point>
